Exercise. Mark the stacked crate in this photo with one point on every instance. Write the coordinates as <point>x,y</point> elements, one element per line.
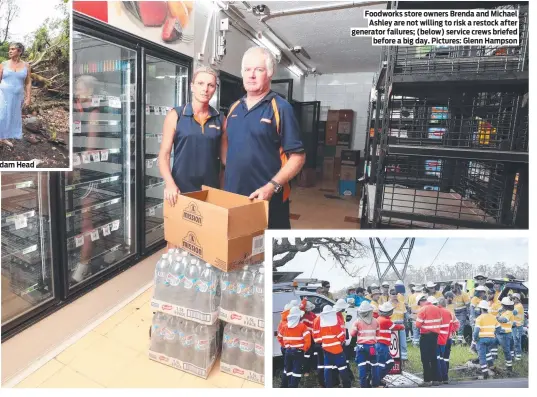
<point>337,138</point>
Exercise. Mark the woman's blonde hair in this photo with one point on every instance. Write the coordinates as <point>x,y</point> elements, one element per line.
<point>205,69</point>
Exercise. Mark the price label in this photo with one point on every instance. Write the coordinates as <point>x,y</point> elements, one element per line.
<point>152,211</point>
<point>115,225</point>
<point>77,127</point>
<point>147,109</point>
<point>21,222</point>
<point>159,138</point>
<point>114,102</point>
<point>149,164</point>
<point>163,110</point>
<point>94,235</point>
<point>86,158</point>
<point>79,241</point>
<point>95,101</point>
<point>29,249</point>
<point>104,155</point>
<point>76,159</point>
<point>96,156</point>
<point>106,230</point>
<point>157,110</point>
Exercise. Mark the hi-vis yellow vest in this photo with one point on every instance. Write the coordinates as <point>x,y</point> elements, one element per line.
<point>494,308</point>
<point>487,324</point>
<point>519,317</point>
<point>508,326</point>
<point>460,301</point>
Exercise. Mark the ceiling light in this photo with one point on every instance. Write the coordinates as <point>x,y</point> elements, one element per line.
<point>269,45</point>
<point>296,70</point>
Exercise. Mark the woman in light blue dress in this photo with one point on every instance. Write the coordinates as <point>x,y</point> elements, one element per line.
<point>15,87</point>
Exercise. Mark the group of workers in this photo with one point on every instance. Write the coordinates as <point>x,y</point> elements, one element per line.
<point>433,319</point>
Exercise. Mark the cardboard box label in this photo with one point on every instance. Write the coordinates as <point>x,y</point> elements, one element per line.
<point>242,373</point>
<point>258,245</point>
<point>184,312</point>
<point>193,214</point>
<point>181,365</point>
<point>241,319</point>
<point>192,245</point>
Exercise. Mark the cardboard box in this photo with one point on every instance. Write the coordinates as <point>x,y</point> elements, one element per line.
<point>337,168</point>
<point>181,365</point>
<point>344,127</point>
<point>348,173</point>
<point>347,188</point>
<point>233,317</point>
<point>242,373</point>
<point>328,168</point>
<point>330,151</point>
<point>344,139</point>
<point>184,312</point>
<point>222,228</point>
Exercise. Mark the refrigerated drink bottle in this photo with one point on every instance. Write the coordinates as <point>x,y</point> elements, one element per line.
<point>246,348</point>
<point>206,290</point>
<point>157,332</point>
<point>161,271</point>
<point>259,340</point>
<point>258,301</point>
<point>245,287</point>
<point>175,277</point>
<point>189,285</point>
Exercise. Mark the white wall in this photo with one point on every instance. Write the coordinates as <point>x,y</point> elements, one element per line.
<point>344,91</point>
<point>236,46</point>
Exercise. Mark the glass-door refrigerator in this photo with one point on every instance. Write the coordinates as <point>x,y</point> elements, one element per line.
<point>99,194</point>
<point>166,87</point>
<point>27,252</point>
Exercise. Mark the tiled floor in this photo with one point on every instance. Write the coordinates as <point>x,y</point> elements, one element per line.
<point>311,209</point>
<point>114,355</point>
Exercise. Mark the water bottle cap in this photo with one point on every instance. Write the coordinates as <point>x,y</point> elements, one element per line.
<point>193,261</point>
<point>184,253</point>
<point>207,265</point>
<point>245,267</point>
<point>165,256</point>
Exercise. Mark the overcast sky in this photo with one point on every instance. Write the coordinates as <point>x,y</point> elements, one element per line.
<point>32,13</point>
<point>477,251</point>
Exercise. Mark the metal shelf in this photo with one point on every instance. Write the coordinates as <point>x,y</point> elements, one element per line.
<point>88,177</point>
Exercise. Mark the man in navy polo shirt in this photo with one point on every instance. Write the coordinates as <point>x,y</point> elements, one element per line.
<point>261,146</point>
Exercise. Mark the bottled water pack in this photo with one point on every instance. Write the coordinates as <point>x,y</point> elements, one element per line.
<point>244,347</point>
<point>243,291</point>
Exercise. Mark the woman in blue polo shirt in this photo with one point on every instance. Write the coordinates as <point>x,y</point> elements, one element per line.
<point>193,132</point>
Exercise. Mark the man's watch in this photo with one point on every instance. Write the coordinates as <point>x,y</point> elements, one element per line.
<point>277,187</point>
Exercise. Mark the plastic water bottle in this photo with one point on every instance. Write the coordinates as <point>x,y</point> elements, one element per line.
<point>206,290</point>
<point>187,342</point>
<point>189,285</point>
<point>176,273</point>
<point>157,332</point>
<point>226,344</point>
<point>258,301</point>
<point>161,271</point>
<point>246,347</point>
<point>202,347</point>
<point>228,285</point>
<point>170,333</point>
<point>245,287</point>
<point>233,344</point>
<point>259,339</point>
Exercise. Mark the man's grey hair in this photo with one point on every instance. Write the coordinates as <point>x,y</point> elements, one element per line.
<point>270,61</point>
<point>205,69</point>
<point>442,302</point>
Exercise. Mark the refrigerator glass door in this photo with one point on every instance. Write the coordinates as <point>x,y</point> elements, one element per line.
<point>27,273</point>
<point>99,192</point>
<point>166,88</point>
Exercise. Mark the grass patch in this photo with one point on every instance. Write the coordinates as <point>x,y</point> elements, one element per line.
<point>460,355</point>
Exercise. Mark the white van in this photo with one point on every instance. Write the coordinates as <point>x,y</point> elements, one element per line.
<point>284,293</point>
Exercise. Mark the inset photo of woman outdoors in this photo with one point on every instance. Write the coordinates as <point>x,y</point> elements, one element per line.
<point>400,312</point>
<point>34,84</point>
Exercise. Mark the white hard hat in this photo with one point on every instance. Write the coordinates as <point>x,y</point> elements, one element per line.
<point>365,307</point>
<point>293,303</point>
<point>399,282</point>
<point>481,288</point>
<point>385,284</point>
<point>372,286</point>
<point>386,307</point>
<point>483,305</point>
<point>418,288</point>
<point>375,291</point>
<point>433,300</point>
<point>327,309</point>
<point>420,297</point>
<point>516,295</point>
<point>430,284</point>
<point>507,301</point>
<point>287,306</point>
<point>341,305</point>
<point>295,312</point>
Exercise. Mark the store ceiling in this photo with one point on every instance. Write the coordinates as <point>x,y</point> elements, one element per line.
<point>324,35</point>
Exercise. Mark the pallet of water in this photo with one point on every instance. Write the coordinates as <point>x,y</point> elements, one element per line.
<point>243,353</point>
<point>186,345</point>
<point>242,298</point>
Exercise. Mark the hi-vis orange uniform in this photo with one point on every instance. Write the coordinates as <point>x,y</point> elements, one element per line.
<point>296,338</point>
<point>449,325</point>
<point>283,323</point>
<point>384,331</point>
<point>429,319</point>
<point>330,338</point>
<point>308,319</point>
